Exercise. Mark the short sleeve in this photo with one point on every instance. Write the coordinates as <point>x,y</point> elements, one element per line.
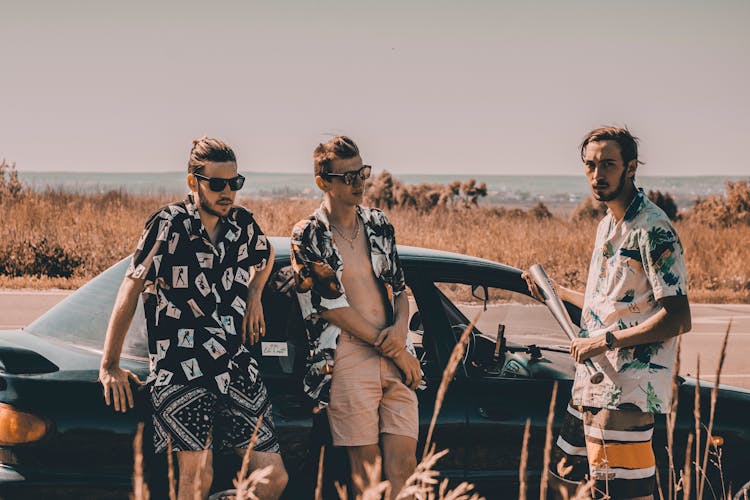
<point>259,246</point>
<point>664,260</point>
<point>149,253</point>
<point>316,283</point>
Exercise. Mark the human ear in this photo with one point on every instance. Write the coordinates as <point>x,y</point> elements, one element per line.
<point>632,167</point>
<point>192,182</point>
<point>321,183</point>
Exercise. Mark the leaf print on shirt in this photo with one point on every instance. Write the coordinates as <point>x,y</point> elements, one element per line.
<point>628,297</point>
<point>653,403</point>
<point>661,250</point>
<point>640,357</point>
<point>613,395</point>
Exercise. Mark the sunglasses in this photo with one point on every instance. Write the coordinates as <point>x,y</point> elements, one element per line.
<point>352,175</point>
<point>217,184</point>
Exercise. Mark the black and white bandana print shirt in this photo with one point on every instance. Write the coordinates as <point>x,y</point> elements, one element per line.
<point>318,268</point>
<point>195,294</point>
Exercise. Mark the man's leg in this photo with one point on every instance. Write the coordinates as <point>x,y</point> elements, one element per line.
<point>399,460</point>
<point>239,417</point>
<point>196,474</point>
<point>362,459</point>
<point>278,477</point>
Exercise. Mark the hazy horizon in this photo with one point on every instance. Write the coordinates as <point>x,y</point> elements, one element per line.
<point>485,87</point>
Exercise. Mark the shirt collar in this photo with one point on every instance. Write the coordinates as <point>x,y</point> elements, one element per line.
<point>323,215</point>
<point>635,206</point>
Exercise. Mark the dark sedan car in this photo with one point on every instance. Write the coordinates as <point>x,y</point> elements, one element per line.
<point>58,439</point>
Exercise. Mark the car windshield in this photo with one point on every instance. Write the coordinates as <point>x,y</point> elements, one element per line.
<point>81,319</point>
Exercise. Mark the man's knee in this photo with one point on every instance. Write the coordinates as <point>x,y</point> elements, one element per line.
<point>195,470</point>
<point>399,465</point>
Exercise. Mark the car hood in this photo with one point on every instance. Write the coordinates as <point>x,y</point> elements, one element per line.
<point>26,354</point>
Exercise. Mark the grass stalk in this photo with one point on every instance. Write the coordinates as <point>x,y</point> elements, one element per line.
<point>170,470</point>
<point>686,479</point>
<point>448,374</point>
<point>697,418</point>
<point>319,482</point>
<point>548,444</point>
<point>524,462</point>
<point>712,410</point>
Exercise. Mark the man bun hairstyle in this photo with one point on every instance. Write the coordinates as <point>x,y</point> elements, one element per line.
<point>628,142</point>
<point>340,147</point>
<point>207,150</point>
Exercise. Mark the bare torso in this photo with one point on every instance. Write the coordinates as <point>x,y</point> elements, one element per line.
<point>366,294</point>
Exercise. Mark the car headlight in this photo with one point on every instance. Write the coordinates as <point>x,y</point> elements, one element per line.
<point>18,427</point>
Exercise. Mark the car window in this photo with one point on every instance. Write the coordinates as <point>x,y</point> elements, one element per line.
<point>81,318</point>
<point>525,320</point>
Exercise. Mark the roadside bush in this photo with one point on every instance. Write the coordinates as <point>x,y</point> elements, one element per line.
<point>38,259</point>
<point>385,191</point>
<point>725,210</point>
<point>589,208</point>
<point>665,202</point>
<point>11,187</point>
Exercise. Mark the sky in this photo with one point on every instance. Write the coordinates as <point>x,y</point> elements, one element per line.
<point>443,87</point>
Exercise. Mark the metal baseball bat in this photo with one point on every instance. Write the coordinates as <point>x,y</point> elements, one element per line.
<point>555,304</point>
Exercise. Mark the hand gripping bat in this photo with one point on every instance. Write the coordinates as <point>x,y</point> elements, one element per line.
<point>555,304</point>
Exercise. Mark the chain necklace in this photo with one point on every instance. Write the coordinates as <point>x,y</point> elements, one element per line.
<point>353,238</point>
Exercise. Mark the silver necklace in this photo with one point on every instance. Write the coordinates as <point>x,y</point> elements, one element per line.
<point>353,238</point>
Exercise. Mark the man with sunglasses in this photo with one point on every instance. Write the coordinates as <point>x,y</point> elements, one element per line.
<point>351,289</point>
<point>200,266</point>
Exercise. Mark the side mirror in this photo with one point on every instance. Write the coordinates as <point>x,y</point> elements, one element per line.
<point>480,292</point>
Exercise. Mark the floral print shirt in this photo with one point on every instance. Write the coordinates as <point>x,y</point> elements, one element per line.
<point>318,268</point>
<point>636,261</point>
<point>195,294</point>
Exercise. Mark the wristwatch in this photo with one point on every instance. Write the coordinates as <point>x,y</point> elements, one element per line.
<point>609,340</point>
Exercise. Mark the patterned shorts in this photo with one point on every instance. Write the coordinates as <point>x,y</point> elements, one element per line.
<point>189,414</point>
<point>611,446</point>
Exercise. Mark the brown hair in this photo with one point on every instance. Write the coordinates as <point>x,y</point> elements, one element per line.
<point>628,142</point>
<point>338,148</point>
<point>206,150</point>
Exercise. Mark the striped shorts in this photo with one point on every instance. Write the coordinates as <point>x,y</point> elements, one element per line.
<point>613,447</point>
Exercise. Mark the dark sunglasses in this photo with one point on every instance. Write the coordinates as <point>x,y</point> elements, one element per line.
<point>350,176</point>
<point>217,184</point>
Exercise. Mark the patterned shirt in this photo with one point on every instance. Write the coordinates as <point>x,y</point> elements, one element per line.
<point>195,294</point>
<point>318,268</point>
<point>636,261</point>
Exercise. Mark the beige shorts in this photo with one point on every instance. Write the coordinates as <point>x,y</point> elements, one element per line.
<point>368,396</point>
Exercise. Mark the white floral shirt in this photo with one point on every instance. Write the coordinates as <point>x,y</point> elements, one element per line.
<point>636,261</point>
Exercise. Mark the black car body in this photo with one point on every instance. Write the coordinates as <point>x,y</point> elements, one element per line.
<point>74,446</point>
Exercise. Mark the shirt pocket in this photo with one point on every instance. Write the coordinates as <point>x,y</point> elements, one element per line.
<point>623,278</point>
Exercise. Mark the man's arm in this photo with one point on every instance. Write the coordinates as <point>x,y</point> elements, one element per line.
<point>392,339</point>
<point>671,320</point>
<point>567,294</point>
<point>115,380</point>
<point>254,322</point>
<point>350,320</point>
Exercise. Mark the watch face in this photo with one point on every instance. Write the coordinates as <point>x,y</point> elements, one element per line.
<point>609,340</point>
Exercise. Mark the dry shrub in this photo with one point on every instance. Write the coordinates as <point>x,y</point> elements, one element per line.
<point>11,187</point>
<point>589,208</point>
<point>727,210</point>
<point>385,191</point>
<point>665,201</point>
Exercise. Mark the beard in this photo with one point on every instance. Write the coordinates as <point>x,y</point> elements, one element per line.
<point>207,207</point>
<point>614,194</point>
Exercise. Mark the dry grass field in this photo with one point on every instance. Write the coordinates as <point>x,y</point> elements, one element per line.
<point>59,239</point>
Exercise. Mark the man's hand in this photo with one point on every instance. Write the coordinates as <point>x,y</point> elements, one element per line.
<point>391,341</point>
<point>533,288</point>
<point>116,383</point>
<point>254,323</point>
<point>409,366</point>
<point>582,349</point>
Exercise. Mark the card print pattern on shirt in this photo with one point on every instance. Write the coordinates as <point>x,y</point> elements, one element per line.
<point>185,337</point>
<point>194,293</point>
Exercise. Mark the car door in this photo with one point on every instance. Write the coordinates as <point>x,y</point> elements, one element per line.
<point>504,389</point>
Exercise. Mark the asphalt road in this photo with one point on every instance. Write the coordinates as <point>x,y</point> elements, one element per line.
<point>710,321</point>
